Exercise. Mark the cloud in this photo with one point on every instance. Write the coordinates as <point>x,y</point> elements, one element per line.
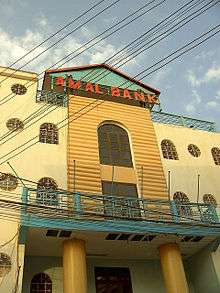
<point>218,95</point>
<point>212,104</point>
<point>191,107</point>
<point>13,48</point>
<point>192,79</point>
<point>211,75</point>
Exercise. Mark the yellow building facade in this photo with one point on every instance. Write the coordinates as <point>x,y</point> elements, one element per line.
<point>102,193</point>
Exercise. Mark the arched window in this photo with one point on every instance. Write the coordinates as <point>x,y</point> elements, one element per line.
<point>194,150</point>
<point>41,283</point>
<point>169,150</point>
<point>114,146</point>
<point>14,124</point>
<point>8,181</point>
<point>209,199</point>
<point>46,191</point>
<point>216,155</point>
<point>182,203</point>
<point>49,133</point>
<point>5,264</point>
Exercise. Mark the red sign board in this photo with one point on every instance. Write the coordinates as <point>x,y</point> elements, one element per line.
<point>112,91</point>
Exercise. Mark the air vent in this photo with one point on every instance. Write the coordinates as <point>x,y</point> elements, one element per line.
<point>124,237</point>
<point>149,238</point>
<point>137,237</point>
<point>112,236</point>
<point>186,238</point>
<point>52,233</point>
<point>65,234</point>
<point>197,238</point>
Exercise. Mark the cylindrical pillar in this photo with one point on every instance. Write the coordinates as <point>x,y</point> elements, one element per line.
<point>173,270</point>
<point>74,266</point>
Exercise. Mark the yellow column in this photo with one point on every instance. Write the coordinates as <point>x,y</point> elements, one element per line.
<point>74,266</point>
<point>173,270</point>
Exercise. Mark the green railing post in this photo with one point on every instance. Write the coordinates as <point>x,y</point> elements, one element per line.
<point>77,204</point>
<point>214,213</point>
<point>174,212</point>
<point>24,201</point>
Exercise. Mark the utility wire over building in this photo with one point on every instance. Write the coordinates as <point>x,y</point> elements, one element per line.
<point>109,189</point>
<point>100,189</point>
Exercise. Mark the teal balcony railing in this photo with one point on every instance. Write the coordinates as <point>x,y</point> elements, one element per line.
<point>54,204</point>
<point>173,119</point>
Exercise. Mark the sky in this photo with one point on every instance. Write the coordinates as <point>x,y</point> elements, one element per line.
<point>189,86</point>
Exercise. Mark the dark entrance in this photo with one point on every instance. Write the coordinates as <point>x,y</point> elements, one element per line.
<point>112,280</point>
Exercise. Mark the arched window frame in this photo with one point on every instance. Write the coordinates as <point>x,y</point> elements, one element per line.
<point>5,264</point>
<point>49,133</point>
<point>107,157</point>
<point>169,150</point>
<point>183,204</point>
<point>216,155</point>
<point>47,191</point>
<point>208,198</point>
<point>8,181</point>
<point>41,283</point>
<point>194,150</point>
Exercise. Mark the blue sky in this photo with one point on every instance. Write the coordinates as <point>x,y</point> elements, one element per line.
<point>189,86</point>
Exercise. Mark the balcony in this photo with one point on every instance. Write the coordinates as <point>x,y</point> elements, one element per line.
<point>99,213</point>
<point>173,119</point>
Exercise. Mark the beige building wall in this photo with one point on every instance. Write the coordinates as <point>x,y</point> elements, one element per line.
<point>83,147</point>
<point>185,171</point>
<point>40,160</point>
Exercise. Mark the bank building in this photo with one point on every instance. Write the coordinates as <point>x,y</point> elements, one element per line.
<point>101,191</point>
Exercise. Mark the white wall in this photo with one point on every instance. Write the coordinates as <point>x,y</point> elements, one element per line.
<point>41,160</point>
<point>184,172</point>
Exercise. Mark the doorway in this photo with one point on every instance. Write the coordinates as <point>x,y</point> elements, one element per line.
<point>112,280</point>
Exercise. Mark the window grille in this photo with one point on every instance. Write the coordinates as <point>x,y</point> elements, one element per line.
<point>18,89</point>
<point>119,189</point>
<point>182,203</point>
<point>8,181</point>
<point>169,150</point>
<point>194,150</point>
<point>41,283</point>
<point>5,264</point>
<point>127,205</point>
<point>209,199</point>
<point>216,155</point>
<point>46,191</point>
<point>49,133</point>
<point>14,124</point>
<point>114,146</point>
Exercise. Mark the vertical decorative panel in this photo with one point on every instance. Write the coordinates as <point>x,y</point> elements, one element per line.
<point>83,145</point>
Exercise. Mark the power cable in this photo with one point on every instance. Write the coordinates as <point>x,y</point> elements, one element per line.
<point>48,38</point>
<point>186,51</point>
<point>127,82</point>
<point>168,31</point>
<point>3,100</point>
<point>61,212</point>
<point>9,133</point>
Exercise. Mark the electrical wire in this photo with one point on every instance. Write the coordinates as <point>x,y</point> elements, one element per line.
<point>5,100</point>
<point>56,212</point>
<point>168,31</point>
<point>48,38</point>
<point>196,39</point>
<point>127,60</point>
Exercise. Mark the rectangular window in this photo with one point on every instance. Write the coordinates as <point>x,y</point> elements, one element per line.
<point>127,203</point>
<point>112,280</point>
<point>119,189</point>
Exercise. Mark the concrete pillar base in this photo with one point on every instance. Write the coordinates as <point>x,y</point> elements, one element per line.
<point>74,266</point>
<point>173,270</point>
